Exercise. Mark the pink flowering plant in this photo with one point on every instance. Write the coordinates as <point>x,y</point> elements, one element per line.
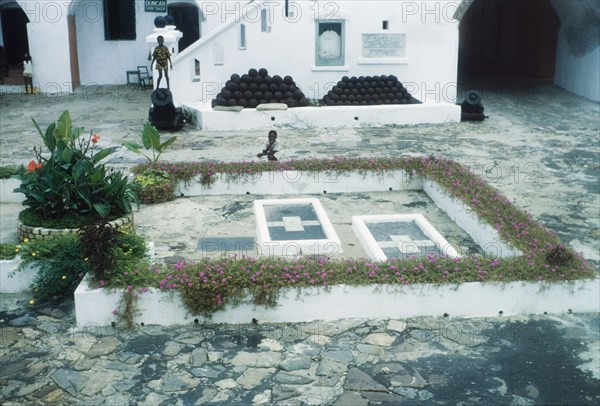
<point>209,285</point>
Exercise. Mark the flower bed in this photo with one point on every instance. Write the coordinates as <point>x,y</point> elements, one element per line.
<point>530,253</point>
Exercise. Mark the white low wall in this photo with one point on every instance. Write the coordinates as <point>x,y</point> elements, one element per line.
<point>6,191</point>
<point>13,281</point>
<point>481,232</point>
<point>298,182</point>
<point>325,117</point>
<point>95,306</point>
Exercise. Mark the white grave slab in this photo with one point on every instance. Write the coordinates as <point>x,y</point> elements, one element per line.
<point>399,236</point>
<point>294,227</point>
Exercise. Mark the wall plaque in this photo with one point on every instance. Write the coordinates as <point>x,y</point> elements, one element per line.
<point>384,45</point>
<point>155,6</point>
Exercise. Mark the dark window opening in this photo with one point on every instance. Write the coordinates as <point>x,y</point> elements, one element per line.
<point>385,25</point>
<point>119,20</point>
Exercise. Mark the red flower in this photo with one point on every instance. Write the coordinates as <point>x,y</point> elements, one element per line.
<point>95,138</point>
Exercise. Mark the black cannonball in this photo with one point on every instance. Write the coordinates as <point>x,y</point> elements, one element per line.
<point>351,98</point>
<point>288,80</point>
<point>297,94</point>
<point>252,103</point>
<point>253,87</point>
<point>227,94</point>
<point>273,87</point>
<point>160,22</point>
<point>303,102</point>
<point>263,101</point>
<point>267,79</point>
<point>292,103</point>
<point>387,101</point>
<point>242,87</point>
<point>395,101</point>
<point>231,102</point>
<point>232,86</point>
<point>170,20</point>
<point>257,80</point>
<point>341,85</point>
<point>245,78</point>
<point>333,96</point>
<point>277,80</point>
<point>237,95</point>
<point>213,103</point>
<point>288,95</point>
<point>268,95</point>
<point>393,78</point>
<point>247,94</point>
<point>368,79</point>
<point>252,72</point>
<point>278,96</point>
<point>263,87</point>
<point>391,95</point>
<point>243,102</point>
<point>235,78</point>
<point>343,97</point>
<point>263,72</point>
<point>363,103</point>
<point>353,79</point>
<point>359,97</point>
<point>282,87</point>
<point>345,79</point>
<point>258,95</point>
<point>403,101</point>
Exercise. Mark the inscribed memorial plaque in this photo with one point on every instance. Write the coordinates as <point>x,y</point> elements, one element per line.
<point>383,45</point>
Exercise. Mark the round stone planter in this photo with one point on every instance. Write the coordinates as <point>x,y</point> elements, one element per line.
<point>30,232</point>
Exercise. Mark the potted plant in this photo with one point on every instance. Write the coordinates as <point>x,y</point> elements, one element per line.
<point>68,186</point>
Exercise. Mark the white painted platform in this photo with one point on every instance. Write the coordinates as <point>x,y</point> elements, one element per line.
<point>95,306</point>
<point>325,117</point>
<point>373,248</point>
<point>13,281</point>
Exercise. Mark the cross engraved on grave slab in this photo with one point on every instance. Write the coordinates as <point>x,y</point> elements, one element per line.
<point>405,244</point>
<point>293,223</point>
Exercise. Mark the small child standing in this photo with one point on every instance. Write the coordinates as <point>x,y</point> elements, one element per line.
<point>162,56</point>
<point>28,73</point>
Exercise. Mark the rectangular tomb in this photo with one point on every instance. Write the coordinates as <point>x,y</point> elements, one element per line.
<point>292,227</point>
<point>400,236</point>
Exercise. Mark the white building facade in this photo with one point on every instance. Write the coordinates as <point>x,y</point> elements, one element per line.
<point>83,42</point>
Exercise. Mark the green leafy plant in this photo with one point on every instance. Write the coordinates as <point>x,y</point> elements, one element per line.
<point>8,171</point>
<point>150,142</point>
<point>61,266</point>
<point>8,250</point>
<point>154,186</point>
<point>71,181</point>
<point>110,250</point>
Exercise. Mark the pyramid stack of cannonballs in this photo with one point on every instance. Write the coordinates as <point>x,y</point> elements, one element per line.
<point>367,91</point>
<point>257,87</point>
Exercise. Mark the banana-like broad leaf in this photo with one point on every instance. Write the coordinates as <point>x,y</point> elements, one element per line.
<point>100,155</point>
<point>78,170</point>
<point>166,144</point>
<point>102,209</point>
<point>67,155</point>
<point>64,127</point>
<point>154,136</point>
<point>132,146</point>
<point>147,135</point>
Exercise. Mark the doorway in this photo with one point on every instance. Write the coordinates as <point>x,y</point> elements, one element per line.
<point>13,21</point>
<point>508,39</point>
<point>187,21</point>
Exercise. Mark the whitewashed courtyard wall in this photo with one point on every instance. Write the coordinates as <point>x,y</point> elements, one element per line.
<point>428,68</point>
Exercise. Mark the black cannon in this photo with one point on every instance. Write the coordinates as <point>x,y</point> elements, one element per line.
<point>471,107</point>
<point>163,114</point>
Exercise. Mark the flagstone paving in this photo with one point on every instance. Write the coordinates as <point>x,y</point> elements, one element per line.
<point>540,146</point>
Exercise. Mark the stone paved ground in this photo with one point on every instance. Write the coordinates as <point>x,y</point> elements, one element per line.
<point>540,146</point>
